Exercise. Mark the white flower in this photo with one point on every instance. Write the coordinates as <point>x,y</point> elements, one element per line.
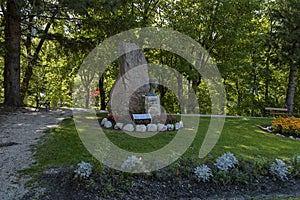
<point>132,163</point>
<point>203,173</point>
<point>279,169</point>
<point>84,170</point>
<point>226,162</point>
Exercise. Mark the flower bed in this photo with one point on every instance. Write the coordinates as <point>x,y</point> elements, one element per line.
<point>289,126</point>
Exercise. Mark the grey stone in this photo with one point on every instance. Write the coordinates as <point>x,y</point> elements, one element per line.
<point>103,121</point>
<point>165,128</point>
<point>291,137</point>
<point>170,127</point>
<point>140,128</point>
<point>118,126</point>
<point>128,127</point>
<point>178,125</point>
<point>127,94</point>
<point>107,124</point>
<point>152,127</point>
<point>161,127</point>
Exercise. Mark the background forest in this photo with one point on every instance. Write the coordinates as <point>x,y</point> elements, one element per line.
<point>255,45</point>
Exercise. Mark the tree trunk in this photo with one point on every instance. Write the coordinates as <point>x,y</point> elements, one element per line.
<point>194,84</point>
<point>87,99</point>
<point>12,55</point>
<point>180,93</point>
<point>102,93</point>
<point>190,106</point>
<point>291,89</point>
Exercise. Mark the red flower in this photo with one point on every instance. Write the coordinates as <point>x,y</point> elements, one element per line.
<point>95,93</point>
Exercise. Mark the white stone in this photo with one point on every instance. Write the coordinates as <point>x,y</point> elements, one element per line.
<point>103,121</point>
<point>291,137</point>
<point>140,128</point>
<point>119,126</point>
<point>177,126</point>
<point>165,128</point>
<point>107,124</point>
<point>160,127</point>
<point>181,124</point>
<point>170,127</point>
<point>128,127</point>
<point>151,127</point>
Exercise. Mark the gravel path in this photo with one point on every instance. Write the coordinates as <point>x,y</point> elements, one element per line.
<point>18,131</point>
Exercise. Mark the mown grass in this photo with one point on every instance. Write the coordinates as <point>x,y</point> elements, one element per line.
<point>243,138</point>
<point>62,145</point>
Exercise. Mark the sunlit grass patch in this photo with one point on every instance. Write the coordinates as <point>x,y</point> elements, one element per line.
<point>62,145</point>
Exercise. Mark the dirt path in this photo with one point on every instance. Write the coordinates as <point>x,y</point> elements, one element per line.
<point>18,131</point>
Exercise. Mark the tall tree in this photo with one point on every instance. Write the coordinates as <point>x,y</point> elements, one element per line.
<point>12,53</point>
<point>287,42</point>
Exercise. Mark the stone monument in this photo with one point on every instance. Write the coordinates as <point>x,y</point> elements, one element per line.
<point>128,93</point>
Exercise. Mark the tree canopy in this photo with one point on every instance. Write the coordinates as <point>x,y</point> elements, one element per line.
<point>255,45</point>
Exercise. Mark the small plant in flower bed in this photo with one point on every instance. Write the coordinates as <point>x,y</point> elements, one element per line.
<point>226,170</point>
<point>84,170</point>
<point>111,118</point>
<point>203,173</point>
<point>119,118</point>
<point>165,119</point>
<point>171,119</point>
<point>226,162</point>
<point>295,167</point>
<point>287,125</point>
<point>279,169</point>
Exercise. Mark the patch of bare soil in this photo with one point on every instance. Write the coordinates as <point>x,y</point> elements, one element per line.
<point>163,184</point>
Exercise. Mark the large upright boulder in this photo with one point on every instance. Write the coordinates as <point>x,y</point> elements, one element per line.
<point>127,94</point>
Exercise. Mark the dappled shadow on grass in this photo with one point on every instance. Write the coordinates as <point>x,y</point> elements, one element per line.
<point>60,146</point>
<point>243,138</point>
<point>63,147</point>
<point>140,145</point>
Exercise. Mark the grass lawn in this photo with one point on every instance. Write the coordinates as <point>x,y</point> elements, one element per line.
<point>240,136</point>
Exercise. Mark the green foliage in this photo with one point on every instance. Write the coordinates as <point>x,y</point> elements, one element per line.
<point>252,43</point>
<point>295,166</point>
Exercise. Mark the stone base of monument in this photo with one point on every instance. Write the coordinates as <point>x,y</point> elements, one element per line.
<point>152,105</point>
<point>152,127</point>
